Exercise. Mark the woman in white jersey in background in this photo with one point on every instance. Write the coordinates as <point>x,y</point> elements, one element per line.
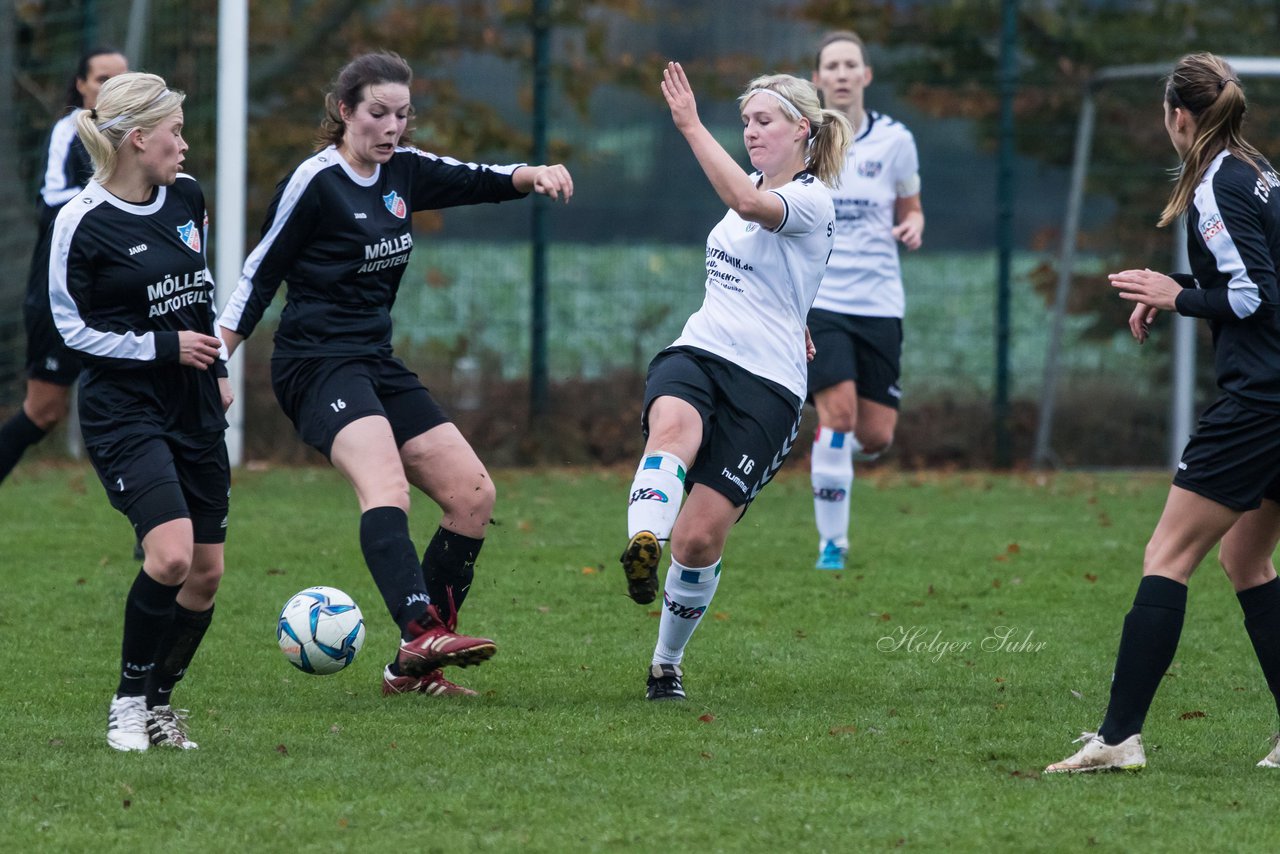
<point>722,403</point>
<point>856,320</point>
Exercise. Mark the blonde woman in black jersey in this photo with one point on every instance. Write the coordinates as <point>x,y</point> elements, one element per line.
<point>130,291</point>
<point>1227,487</point>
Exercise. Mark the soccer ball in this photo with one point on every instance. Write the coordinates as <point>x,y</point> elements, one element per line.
<point>320,630</point>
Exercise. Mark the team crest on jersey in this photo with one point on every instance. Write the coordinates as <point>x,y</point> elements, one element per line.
<point>190,235</point>
<point>395,204</point>
<point>1211,226</point>
<point>869,168</point>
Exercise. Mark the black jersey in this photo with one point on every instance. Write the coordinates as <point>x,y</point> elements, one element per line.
<point>1233,241</point>
<point>67,168</point>
<point>342,241</point>
<point>124,279</point>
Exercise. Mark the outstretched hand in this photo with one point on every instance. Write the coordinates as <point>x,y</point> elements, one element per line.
<point>679,94</point>
<point>555,182</point>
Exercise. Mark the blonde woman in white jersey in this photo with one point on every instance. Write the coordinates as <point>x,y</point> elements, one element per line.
<point>722,403</point>
<point>856,321</point>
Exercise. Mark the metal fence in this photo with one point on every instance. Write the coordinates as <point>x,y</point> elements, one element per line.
<point>625,265</point>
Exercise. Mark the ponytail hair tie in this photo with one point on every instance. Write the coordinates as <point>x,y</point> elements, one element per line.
<point>93,114</point>
<point>1222,84</point>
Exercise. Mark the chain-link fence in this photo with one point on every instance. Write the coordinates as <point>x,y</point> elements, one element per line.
<point>625,265</point>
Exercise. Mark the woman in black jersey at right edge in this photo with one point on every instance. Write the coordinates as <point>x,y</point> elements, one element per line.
<point>340,232</point>
<point>1227,487</point>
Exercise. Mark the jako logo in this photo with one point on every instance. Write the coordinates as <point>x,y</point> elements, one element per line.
<point>644,493</point>
<point>684,612</point>
<point>869,168</point>
<point>829,494</point>
<point>395,204</point>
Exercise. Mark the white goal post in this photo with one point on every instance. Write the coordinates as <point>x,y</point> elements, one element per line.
<point>1182,403</point>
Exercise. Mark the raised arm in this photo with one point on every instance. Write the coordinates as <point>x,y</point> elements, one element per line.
<point>733,185</point>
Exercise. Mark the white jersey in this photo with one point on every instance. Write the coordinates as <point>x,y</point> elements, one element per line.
<point>864,276</point>
<point>761,283</point>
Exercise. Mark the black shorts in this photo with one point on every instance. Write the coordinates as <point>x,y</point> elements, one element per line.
<point>154,477</point>
<point>748,423</point>
<point>48,357</point>
<point>321,396</point>
<point>1233,458</point>
<point>867,350</point>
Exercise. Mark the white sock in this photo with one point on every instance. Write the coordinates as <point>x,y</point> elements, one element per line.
<point>656,494</point>
<point>685,599</point>
<point>831,473</point>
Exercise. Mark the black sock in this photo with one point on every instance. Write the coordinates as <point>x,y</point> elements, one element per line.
<point>148,611</point>
<point>175,652</point>
<point>393,562</point>
<point>1261,606</point>
<point>448,565</point>
<point>16,435</point>
<point>1147,644</point>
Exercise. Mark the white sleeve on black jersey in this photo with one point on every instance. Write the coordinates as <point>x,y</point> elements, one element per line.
<point>443,182</point>
<point>62,163</point>
<point>1229,222</point>
<point>290,221</point>
<point>71,279</point>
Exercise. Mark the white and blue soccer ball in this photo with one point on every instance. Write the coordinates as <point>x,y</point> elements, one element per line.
<point>320,630</point>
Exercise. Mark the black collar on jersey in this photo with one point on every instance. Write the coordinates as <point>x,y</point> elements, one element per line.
<point>872,115</point>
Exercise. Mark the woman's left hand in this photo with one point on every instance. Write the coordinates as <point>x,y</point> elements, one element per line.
<point>809,349</point>
<point>1147,287</point>
<point>228,396</point>
<point>554,181</point>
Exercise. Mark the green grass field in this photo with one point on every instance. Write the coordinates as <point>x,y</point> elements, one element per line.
<point>808,728</point>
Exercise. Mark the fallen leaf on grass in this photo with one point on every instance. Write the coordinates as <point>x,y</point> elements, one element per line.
<point>842,730</point>
<point>128,804</point>
<point>544,609</point>
<point>335,729</point>
<point>275,570</point>
<point>707,718</point>
<point>720,615</point>
<point>1013,548</point>
<point>705,755</point>
<point>655,614</point>
<point>995,582</point>
<point>1090,577</point>
<point>1104,521</point>
<point>1077,694</point>
<point>589,570</point>
<point>80,582</point>
<point>282,750</point>
<point>1188,716</point>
